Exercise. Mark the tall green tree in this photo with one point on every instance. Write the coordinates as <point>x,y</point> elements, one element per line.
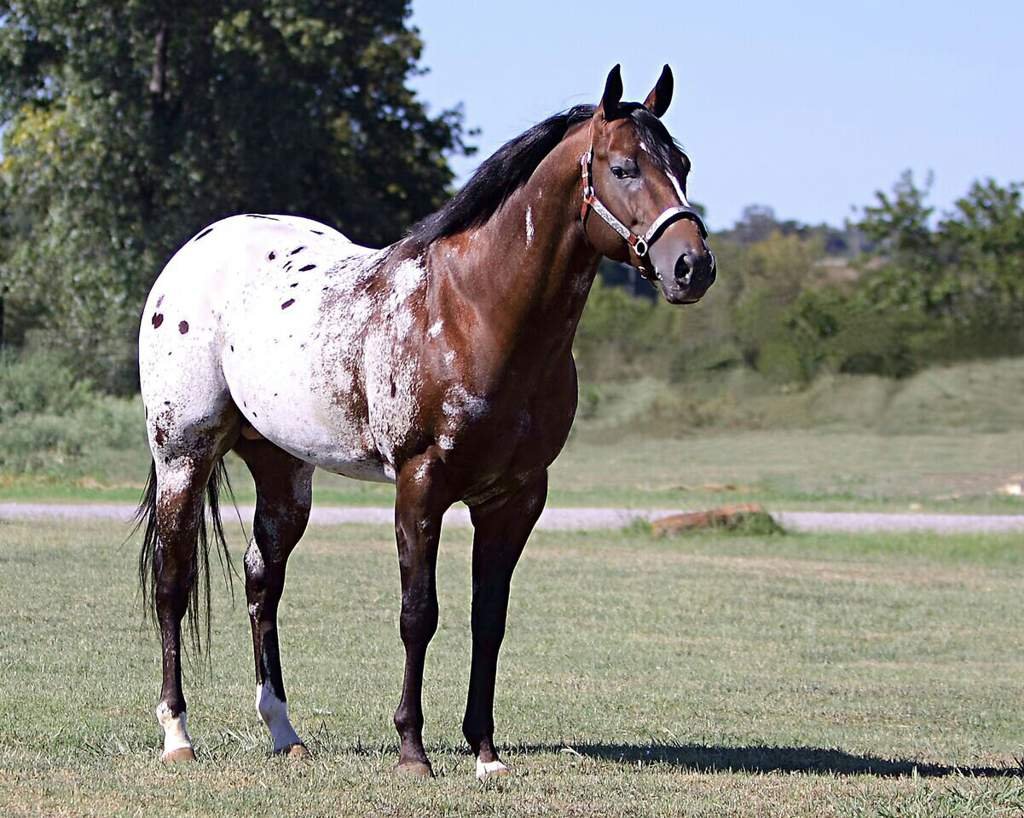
<point>129,125</point>
<point>968,269</point>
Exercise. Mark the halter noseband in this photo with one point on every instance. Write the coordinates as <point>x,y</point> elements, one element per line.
<point>641,245</point>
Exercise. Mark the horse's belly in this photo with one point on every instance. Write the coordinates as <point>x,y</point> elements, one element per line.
<point>304,426</point>
<point>284,392</point>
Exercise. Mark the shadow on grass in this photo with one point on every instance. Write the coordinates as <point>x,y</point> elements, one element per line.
<point>702,758</point>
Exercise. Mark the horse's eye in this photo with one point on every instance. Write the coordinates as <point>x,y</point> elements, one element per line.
<point>627,170</point>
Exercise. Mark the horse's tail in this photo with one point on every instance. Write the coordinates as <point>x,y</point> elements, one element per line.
<point>198,609</point>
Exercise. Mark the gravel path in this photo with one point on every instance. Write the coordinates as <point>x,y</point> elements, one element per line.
<point>575,518</point>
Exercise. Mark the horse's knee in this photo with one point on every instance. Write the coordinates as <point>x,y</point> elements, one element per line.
<point>418,620</point>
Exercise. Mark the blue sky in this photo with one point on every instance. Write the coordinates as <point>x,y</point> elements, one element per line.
<point>805,106</point>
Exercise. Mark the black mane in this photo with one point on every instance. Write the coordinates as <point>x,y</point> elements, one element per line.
<point>509,168</point>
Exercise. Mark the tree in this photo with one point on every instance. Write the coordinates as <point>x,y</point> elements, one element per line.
<point>129,125</point>
<point>984,237</point>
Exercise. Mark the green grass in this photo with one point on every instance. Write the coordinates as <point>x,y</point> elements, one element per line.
<point>706,675</point>
<point>945,440</point>
<point>784,469</point>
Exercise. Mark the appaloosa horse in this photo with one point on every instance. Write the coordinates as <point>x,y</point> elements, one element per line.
<point>442,363</point>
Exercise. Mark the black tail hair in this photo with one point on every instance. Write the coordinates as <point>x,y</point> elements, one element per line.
<point>198,611</point>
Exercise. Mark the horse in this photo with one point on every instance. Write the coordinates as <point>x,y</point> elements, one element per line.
<point>441,363</point>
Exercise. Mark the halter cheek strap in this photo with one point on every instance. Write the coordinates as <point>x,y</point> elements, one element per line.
<point>641,245</point>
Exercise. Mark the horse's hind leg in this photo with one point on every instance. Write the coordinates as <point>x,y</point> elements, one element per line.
<point>283,496</point>
<point>180,486</point>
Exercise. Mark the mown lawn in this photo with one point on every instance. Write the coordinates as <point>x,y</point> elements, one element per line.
<point>798,675</point>
<point>954,472</point>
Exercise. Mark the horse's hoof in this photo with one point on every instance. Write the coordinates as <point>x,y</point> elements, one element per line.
<point>297,751</point>
<point>181,754</point>
<point>487,770</point>
<point>415,769</point>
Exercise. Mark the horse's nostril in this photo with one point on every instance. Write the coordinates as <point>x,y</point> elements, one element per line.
<point>684,269</point>
<point>695,269</point>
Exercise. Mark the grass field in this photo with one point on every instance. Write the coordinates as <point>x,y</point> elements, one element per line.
<point>946,439</point>
<point>795,675</point>
<point>785,469</point>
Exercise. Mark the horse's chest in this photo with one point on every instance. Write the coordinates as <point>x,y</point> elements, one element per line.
<point>498,441</point>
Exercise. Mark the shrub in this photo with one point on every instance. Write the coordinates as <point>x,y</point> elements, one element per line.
<point>38,383</point>
<point>52,422</point>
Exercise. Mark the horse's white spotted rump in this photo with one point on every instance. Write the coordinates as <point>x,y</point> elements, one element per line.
<point>279,315</point>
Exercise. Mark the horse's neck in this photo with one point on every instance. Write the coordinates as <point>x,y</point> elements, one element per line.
<point>528,270</point>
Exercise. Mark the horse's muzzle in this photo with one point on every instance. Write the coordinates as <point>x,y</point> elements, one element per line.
<point>693,274</point>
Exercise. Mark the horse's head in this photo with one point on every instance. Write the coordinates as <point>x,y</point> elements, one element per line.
<point>634,193</point>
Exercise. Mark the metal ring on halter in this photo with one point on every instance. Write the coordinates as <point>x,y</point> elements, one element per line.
<point>640,247</point>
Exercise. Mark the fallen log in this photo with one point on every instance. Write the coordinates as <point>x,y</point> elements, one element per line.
<point>750,517</point>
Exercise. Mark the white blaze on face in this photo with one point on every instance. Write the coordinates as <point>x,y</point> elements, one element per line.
<point>679,189</point>
<point>529,226</point>
<point>274,713</point>
<point>175,729</point>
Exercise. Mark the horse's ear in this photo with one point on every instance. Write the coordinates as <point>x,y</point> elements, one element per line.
<point>612,93</point>
<point>661,94</point>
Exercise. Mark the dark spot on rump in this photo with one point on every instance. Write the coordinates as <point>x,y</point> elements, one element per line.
<point>158,319</point>
<point>307,267</point>
<point>271,255</point>
<point>183,327</point>
<point>204,234</point>
<point>318,232</point>
<point>287,266</point>
<point>160,436</point>
<point>297,249</point>
<point>159,301</point>
<point>296,284</point>
<point>287,303</point>
<point>393,390</point>
<point>325,289</point>
<point>232,347</point>
<point>260,216</point>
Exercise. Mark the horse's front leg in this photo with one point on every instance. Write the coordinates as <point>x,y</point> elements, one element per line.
<point>502,527</point>
<point>422,498</point>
